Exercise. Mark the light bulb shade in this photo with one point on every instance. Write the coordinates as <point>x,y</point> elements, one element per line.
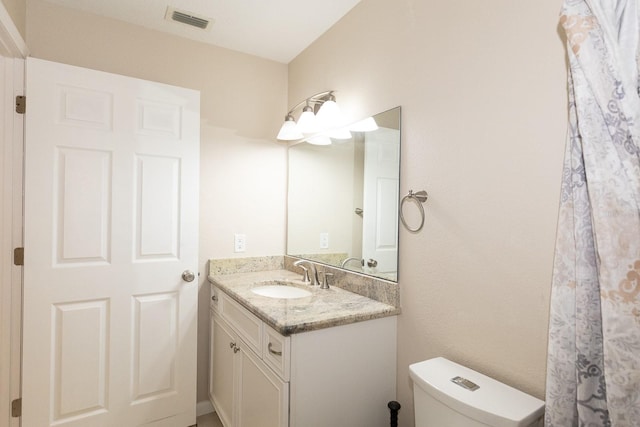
<point>329,116</point>
<point>319,140</point>
<point>307,122</point>
<point>289,131</point>
<point>342,133</point>
<point>367,125</point>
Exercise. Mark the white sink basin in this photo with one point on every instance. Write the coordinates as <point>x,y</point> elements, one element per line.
<point>280,291</point>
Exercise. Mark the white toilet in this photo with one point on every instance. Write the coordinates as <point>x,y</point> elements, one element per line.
<point>446,394</point>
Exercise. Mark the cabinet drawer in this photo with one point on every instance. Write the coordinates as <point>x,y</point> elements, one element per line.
<point>276,352</point>
<point>215,297</point>
<point>248,326</point>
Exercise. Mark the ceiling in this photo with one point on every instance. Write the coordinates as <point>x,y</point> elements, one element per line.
<point>272,29</point>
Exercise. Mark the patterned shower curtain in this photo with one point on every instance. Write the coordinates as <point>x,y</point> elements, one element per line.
<point>593,367</point>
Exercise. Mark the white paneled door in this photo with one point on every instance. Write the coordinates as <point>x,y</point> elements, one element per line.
<point>380,223</point>
<point>111,223</point>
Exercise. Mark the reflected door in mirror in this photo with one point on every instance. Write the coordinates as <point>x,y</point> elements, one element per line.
<point>380,197</point>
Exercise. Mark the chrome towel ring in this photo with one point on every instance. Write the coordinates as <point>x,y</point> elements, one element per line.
<point>419,198</point>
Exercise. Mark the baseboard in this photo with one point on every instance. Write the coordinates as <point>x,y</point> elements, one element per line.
<point>203,408</point>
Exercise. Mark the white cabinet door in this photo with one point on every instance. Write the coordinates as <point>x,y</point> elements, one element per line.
<point>243,390</point>
<point>222,368</point>
<point>263,398</point>
<point>111,222</point>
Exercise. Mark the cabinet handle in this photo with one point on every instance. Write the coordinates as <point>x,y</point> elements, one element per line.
<point>236,349</point>
<point>272,351</point>
<point>214,298</point>
<point>232,344</point>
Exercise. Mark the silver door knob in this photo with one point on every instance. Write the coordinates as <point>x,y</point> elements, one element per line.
<point>372,263</point>
<point>188,276</point>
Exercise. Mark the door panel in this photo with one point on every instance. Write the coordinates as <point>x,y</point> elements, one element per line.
<point>82,206</point>
<point>111,187</point>
<point>156,339</point>
<point>80,355</point>
<point>158,197</point>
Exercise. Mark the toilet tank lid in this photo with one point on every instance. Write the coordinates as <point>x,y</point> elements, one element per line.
<point>493,403</point>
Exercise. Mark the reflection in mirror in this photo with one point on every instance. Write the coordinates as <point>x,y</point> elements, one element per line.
<point>343,200</point>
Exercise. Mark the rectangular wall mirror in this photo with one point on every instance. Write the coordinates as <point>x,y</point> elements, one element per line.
<point>343,200</point>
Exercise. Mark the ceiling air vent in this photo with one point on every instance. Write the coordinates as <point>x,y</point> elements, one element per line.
<point>188,18</point>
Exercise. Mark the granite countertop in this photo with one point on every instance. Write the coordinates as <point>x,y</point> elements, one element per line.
<point>323,309</point>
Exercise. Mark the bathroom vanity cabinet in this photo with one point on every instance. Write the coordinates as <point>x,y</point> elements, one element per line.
<point>338,376</point>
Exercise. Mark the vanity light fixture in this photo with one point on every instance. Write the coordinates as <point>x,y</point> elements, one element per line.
<point>289,130</point>
<point>308,123</point>
<point>319,121</point>
<point>329,116</point>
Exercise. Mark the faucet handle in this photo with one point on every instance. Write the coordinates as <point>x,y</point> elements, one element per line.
<point>325,280</point>
<point>305,274</point>
<point>305,271</point>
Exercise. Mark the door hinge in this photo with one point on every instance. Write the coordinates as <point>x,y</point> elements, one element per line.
<point>16,408</point>
<point>21,104</point>
<point>18,256</point>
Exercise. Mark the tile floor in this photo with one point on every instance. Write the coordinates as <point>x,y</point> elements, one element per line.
<point>209,420</point>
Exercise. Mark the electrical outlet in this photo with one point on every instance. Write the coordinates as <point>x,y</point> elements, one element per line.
<point>240,242</point>
<point>324,240</point>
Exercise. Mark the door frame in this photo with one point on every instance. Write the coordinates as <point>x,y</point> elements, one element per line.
<point>13,50</point>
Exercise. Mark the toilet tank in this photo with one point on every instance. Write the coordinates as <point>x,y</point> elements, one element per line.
<point>448,394</point>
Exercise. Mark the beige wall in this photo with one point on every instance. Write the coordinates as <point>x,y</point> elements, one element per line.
<point>17,12</point>
<point>482,90</point>
<point>243,173</point>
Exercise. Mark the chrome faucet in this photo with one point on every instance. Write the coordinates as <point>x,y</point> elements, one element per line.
<point>360,261</point>
<point>305,271</point>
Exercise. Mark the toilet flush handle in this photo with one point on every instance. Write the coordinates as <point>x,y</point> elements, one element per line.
<point>465,383</point>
